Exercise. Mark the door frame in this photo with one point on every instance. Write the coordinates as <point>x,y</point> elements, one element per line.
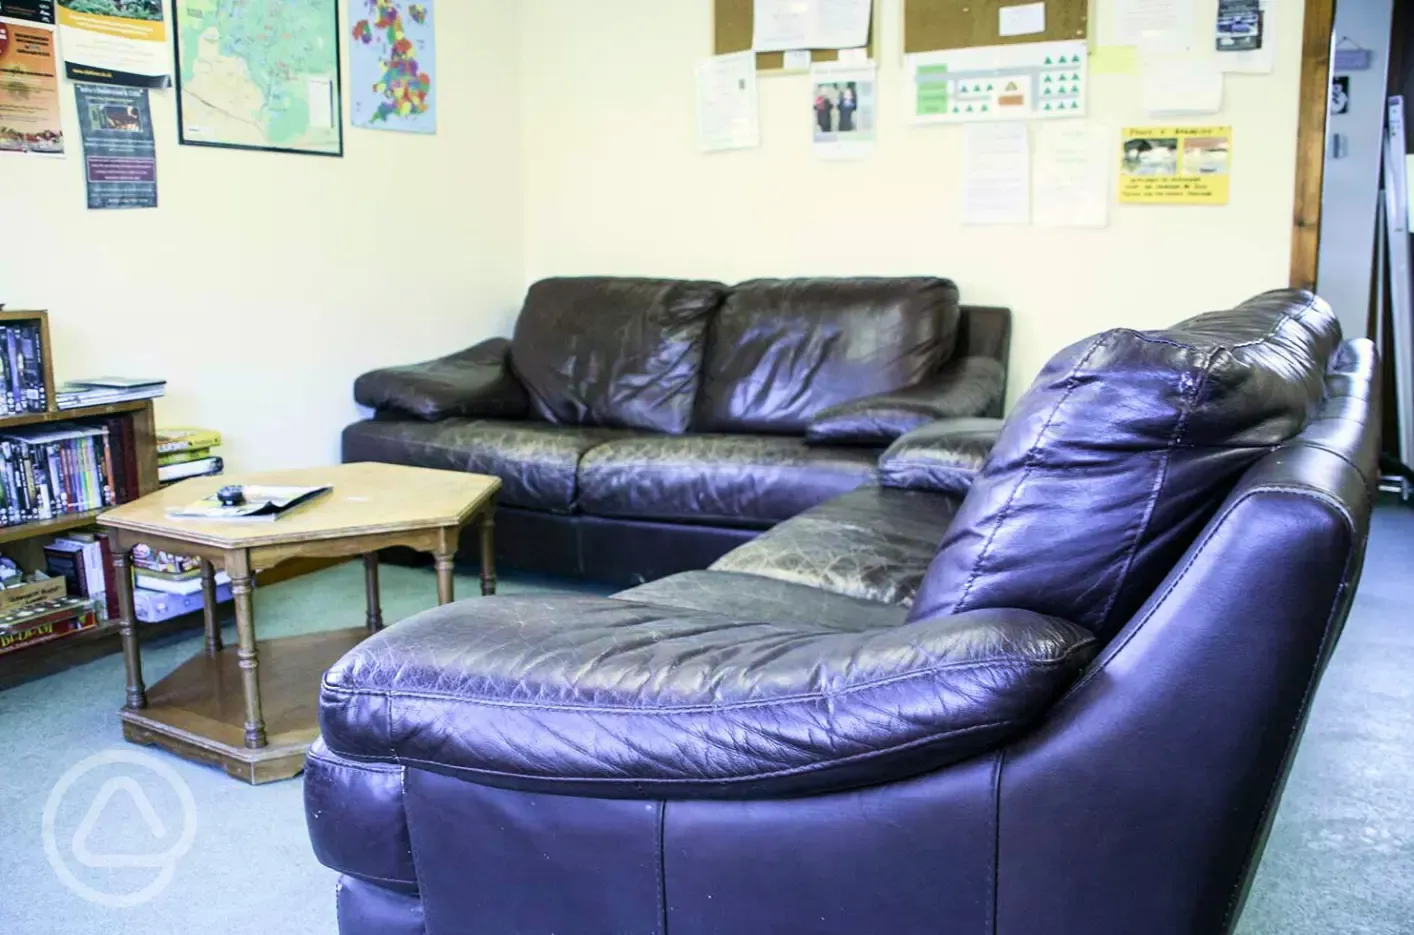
<point>1311,141</point>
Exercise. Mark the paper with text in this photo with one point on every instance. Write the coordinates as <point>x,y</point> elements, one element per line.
<point>996,174</point>
<point>1162,25</point>
<point>1178,85</point>
<point>727,103</point>
<point>1070,178</point>
<point>784,25</point>
<point>1024,20</point>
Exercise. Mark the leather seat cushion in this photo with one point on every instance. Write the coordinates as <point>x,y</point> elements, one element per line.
<point>1119,454</point>
<point>537,462</point>
<point>614,351</point>
<point>754,481</point>
<point>781,350</point>
<point>614,698</point>
<point>874,544</point>
<point>734,593</point>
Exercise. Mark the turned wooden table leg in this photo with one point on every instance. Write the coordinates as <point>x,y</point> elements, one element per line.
<point>208,595</point>
<point>127,628</point>
<point>245,630</point>
<point>370,578</point>
<point>488,550</point>
<point>446,564</point>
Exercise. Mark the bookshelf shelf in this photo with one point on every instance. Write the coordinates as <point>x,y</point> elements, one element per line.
<point>68,415</point>
<point>47,527</point>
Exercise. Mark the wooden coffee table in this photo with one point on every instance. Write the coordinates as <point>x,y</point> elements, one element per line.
<point>253,710</point>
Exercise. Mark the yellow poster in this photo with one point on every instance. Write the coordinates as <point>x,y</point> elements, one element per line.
<point>29,91</point>
<point>116,42</point>
<point>1175,165</point>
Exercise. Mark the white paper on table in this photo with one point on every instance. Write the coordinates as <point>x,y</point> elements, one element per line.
<point>996,174</point>
<point>1070,179</point>
<point>1024,20</point>
<point>1253,61</point>
<point>853,131</point>
<point>783,25</point>
<point>1162,25</point>
<point>1176,85</point>
<point>727,103</point>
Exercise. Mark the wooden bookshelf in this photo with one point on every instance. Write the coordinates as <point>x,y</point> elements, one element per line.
<point>24,542</point>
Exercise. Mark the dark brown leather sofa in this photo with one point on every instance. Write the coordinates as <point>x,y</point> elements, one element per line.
<point>643,427</point>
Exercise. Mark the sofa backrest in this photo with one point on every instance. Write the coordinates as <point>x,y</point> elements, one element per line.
<point>614,351</point>
<point>781,350</point>
<point>1119,454</point>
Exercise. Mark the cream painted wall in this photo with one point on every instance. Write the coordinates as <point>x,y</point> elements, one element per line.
<point>264,283</point>
<point>614,184</point>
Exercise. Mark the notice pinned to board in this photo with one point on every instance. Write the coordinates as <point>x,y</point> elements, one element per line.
<point>845,100</point>
<point>1161,25</point>
<point>727,103</point>
<point>1175,165</point>
<point>120,157</point>
<point>1243,36</point>
<point>1070,177</point>
<point>783,25</point>
<point>125,45</point>
<point>1180,85</point>
<point>996,174</point>
<point>30,118</point>
<point>1027,19</point>
<point>1001,82</point>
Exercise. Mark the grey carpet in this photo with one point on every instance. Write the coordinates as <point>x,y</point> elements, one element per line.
<point>1339,858</point>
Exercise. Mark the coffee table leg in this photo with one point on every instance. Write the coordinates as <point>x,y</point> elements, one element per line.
<point>446,564</point>
<point>488,550</point>
<point>370,578</point>
<point>127,629</point>
<point>208,594</point>
<point>245,630</point>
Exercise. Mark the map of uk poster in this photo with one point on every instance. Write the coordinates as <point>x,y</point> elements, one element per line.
<point>394,64</point>
<point>259,74</point>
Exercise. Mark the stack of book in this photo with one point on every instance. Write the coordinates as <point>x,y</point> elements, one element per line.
<point>57,470</point>
<point>168,585</point>
<point>85,562</point>
<point>29,624</point>
<point>104,391</point>
<point>187,452</point>
<point>22,365</point>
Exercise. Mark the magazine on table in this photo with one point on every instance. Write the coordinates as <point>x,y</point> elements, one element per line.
<point>261,503</point>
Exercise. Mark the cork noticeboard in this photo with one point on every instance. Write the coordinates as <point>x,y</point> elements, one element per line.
<point>734,26</point>
<point>942,25</point>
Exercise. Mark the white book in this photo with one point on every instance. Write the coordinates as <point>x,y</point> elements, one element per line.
<point>190,586</point>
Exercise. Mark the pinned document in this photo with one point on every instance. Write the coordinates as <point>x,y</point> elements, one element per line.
<point>727,103</point>
<point>845,99</point>
<point>1070,178</point>
<point>783,25</point>
<point>996,174</point>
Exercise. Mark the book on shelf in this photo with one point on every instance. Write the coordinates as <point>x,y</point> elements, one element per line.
<point>182,457</point>
<point>51,471</point>
<point>45,621</point>
<point>84,560</point>
<point>173,440</point>
<point>204,468</point>
<point>76,394</point>
<point>265,503</point>
<point>22,363</point>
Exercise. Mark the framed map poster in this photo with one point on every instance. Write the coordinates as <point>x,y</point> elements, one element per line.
<point>259,74</point>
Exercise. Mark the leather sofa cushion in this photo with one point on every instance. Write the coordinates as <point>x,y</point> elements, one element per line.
<point>614,352</point>
<point>475,382</point>
<point>735,593</point>
<point>536,462</point>
<point>942,456</point>
<point>614,698</point>
<point>874,544</point>
<point>782,350</point>
<point>965,387</point>
<point>1120,453</point>
<point>753,481</point>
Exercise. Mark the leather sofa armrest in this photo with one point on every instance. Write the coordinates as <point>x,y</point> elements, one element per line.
<point>476,382</point>
<point>963,388</point>
<point>942,456</point>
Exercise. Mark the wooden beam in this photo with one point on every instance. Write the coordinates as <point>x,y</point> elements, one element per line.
<point>1311,141</point>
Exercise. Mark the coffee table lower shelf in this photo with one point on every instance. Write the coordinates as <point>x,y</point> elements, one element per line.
<point>198,712</point>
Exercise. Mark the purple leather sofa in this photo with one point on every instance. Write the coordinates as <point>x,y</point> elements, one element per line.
<point>1048,686</point>
<point>642,427</point>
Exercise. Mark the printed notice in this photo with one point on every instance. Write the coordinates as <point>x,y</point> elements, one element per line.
<point>1175,165</point>
<point>124,44</point>
<point>29,92</point>
<point>1024,20</point>
<point>844,101</point>
<point>783,25</point>
<point>120,158</point>
<point>727,103</point>
<point>1004,82</point>
<point>1070,180</point>
<point>996,174</point>
<point>1161,25</point>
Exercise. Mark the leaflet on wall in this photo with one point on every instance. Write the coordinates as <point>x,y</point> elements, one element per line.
<point>844,99</point>
<point>783,25</point>
<point>120,158</point>
<point>394,65</point>
<point>1165,25</point>
<point>727,116</point>
<point>1244,36</point>
<point>1004,82</point>
<point>121,43</point>
<point>996,174</point>
<point>1070,178</point>
<point>1175,165</point>
<point>30,120</point>
<point>1180,85</point>
<point>30,11</point>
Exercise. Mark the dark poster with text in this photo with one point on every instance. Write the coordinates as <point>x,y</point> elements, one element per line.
<point>120,158</point>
